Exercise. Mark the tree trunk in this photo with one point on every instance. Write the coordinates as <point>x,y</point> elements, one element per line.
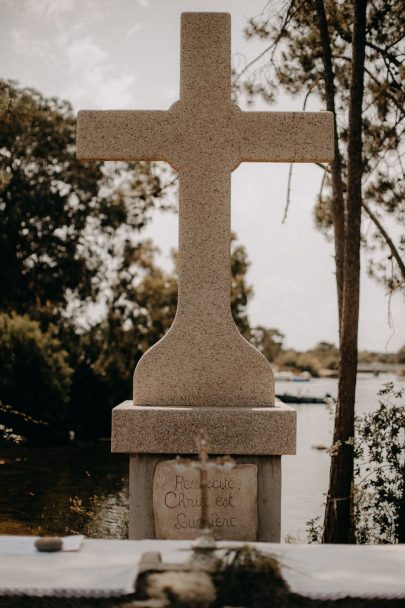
<point>338,211</point>
<point>338,526</point>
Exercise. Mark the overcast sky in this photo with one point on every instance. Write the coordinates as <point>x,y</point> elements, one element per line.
<point>104,54</point>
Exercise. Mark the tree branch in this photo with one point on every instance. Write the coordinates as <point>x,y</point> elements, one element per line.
<point>394,252</point>
<point>347,37</point>
<point>290,14</point>
<point>287,204</point>
<point>397,103</point>
<point>290,171</point>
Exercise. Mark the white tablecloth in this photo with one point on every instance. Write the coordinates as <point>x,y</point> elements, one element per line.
<point>105,568</point>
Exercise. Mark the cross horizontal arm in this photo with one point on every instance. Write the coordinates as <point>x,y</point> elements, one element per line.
<point>123,135</point>
<point>285,137</point>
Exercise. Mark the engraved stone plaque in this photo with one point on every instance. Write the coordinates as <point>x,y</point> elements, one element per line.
<point>232,502</point>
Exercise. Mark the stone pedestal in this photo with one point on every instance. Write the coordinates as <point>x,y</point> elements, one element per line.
<point>152,435</point>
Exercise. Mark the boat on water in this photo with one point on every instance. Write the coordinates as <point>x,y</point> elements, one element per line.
<point>287,398</point>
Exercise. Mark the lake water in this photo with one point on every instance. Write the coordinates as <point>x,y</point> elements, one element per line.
<point>84,488</point>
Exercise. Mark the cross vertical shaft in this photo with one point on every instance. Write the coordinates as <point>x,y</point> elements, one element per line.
<point>205,72</point>
<point>204,251</point>
<point>204,224</point>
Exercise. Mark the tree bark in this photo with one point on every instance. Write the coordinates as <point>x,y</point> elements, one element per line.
<point>338,525</point>
<point>338,211</point>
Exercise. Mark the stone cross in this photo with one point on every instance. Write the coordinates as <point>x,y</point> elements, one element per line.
<point>203,360</point>
<point>203,465</point>
<point>204,547</point>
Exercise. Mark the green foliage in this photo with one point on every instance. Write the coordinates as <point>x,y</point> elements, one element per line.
<point>299,362</point>
<point>240,291</point>
<point>44,198</point>
<point>380,470</point>
<point>247,577</point>
<point>35,375</point>
<point>7,434</point>
<point>314,530</point>
<point>401,355</point>
<point>379,491</point>
<point>268,341</point>
<point>67,239</point>
<point>308,363</point>
<point>141,306</point>
<point>60,216</point>
<point>326,354</point>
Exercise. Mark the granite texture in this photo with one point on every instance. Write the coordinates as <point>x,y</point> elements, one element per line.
<point>232,430</point>
<point>231,498</point>
<point>141,475</point>
<point>203,360</point>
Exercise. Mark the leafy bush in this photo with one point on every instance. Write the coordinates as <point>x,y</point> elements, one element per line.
<point>380,469</point>
<point>35,375</point>
<point>308,363</point>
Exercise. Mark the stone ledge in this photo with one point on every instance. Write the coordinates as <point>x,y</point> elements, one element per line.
<point>267,431</point>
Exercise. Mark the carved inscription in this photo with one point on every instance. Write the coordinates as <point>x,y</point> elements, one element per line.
<point>232,502</point>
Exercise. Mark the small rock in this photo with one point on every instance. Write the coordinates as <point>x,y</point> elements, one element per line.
<point>49,543</point>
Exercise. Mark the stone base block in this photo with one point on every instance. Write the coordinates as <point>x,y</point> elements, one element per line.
<point>261,431</point>
<point>141,475</point>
